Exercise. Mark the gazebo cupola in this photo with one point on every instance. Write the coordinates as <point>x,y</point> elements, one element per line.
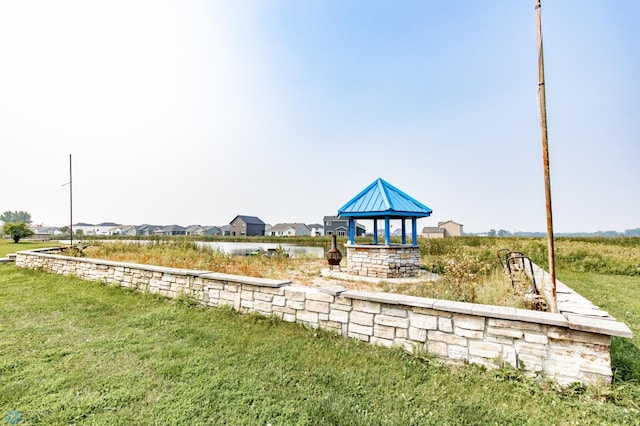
<point>383,201</point>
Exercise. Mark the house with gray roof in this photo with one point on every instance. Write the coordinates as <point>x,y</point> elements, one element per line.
<point>195,230</point>
<point>289,230</point>
<point>214,230</point>
<point>444,229</point>
<point>146,229</point>
<point>432,232</point>
<point>173,230</point>
<point>242,225</point>
<point>334,225</point>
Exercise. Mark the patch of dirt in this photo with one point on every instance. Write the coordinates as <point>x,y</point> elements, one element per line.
<point>308,273</point>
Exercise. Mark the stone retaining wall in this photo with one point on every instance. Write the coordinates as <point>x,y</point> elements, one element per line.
<point>568,348</point>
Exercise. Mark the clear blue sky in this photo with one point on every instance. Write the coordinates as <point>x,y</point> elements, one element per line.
<point>193,112</point>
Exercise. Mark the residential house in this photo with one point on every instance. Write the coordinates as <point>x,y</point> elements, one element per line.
<point>213,230</point>
<point>120,230</point>
<point>129,231</point>
<point>172,230</point>
<point>147,229</point>
<point>334,225</point>
<point>81,228</point>
<point>444,229</point>
<point>46,230</point>
<point>105,228</point>
<point>289,230</point>
<point>431,232</point>
<point>195,230</point>
<point>246,226</point>
<point>44,233</point>
<point>451,228</point>
<point>316,229</point>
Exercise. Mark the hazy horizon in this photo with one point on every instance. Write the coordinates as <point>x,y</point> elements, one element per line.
<point>195,112</point>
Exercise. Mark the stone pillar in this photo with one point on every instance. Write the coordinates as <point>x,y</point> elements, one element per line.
<point>382,261</point>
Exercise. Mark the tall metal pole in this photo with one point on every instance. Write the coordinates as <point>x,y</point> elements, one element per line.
<point>545,158</point>
<point>70,202</point>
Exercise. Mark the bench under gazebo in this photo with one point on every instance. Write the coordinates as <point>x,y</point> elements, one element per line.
<point>383,201</point>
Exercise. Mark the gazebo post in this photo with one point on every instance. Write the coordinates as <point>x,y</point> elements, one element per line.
<point>352,223</point>
<point>387,231</point>
<point>375,231</point>
<point>404,231</point>
<point>414,232</point>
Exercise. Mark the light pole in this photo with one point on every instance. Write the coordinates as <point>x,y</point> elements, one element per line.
<point>545,158</point>
<point>70,183</point>
<point>70,203</point>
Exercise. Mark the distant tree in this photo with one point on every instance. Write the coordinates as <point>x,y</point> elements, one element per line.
<point>64,229</point>
<point>491,233</point>
<point>503,233</point>
<point>632,232</point>
<point>15,217</point>
<point>17,230</point>
<point>608,234</point>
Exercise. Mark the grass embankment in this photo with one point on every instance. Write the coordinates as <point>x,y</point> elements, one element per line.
<point>77,352</point>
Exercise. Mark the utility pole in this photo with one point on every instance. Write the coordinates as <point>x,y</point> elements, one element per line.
<point>545,159</point>
<point>70,203</point>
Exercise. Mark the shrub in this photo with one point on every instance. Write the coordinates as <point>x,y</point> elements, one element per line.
<point>17,231</point>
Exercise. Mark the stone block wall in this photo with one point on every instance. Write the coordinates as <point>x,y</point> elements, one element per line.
<point>552,345</point>
<point>383,261</point>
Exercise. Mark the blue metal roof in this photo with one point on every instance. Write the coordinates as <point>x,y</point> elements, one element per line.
<point>383,199</point>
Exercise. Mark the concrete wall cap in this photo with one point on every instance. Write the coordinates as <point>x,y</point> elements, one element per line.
<point>334,290</point>
<point>388,298</point>
<point>259,282</point>
<point>548,318</point>
<point>142,266</point>
<point>452,306</point>
<point>490,311</point>
<point>599,325</point>
<point>419,302</point>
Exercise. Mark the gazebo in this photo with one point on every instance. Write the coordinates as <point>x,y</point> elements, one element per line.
<point>383,201</point>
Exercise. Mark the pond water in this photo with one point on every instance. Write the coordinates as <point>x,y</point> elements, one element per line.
<point>243,249</point>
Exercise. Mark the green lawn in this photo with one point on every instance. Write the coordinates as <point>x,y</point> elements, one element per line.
<point>8,246</point>
<point>77,352</point>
